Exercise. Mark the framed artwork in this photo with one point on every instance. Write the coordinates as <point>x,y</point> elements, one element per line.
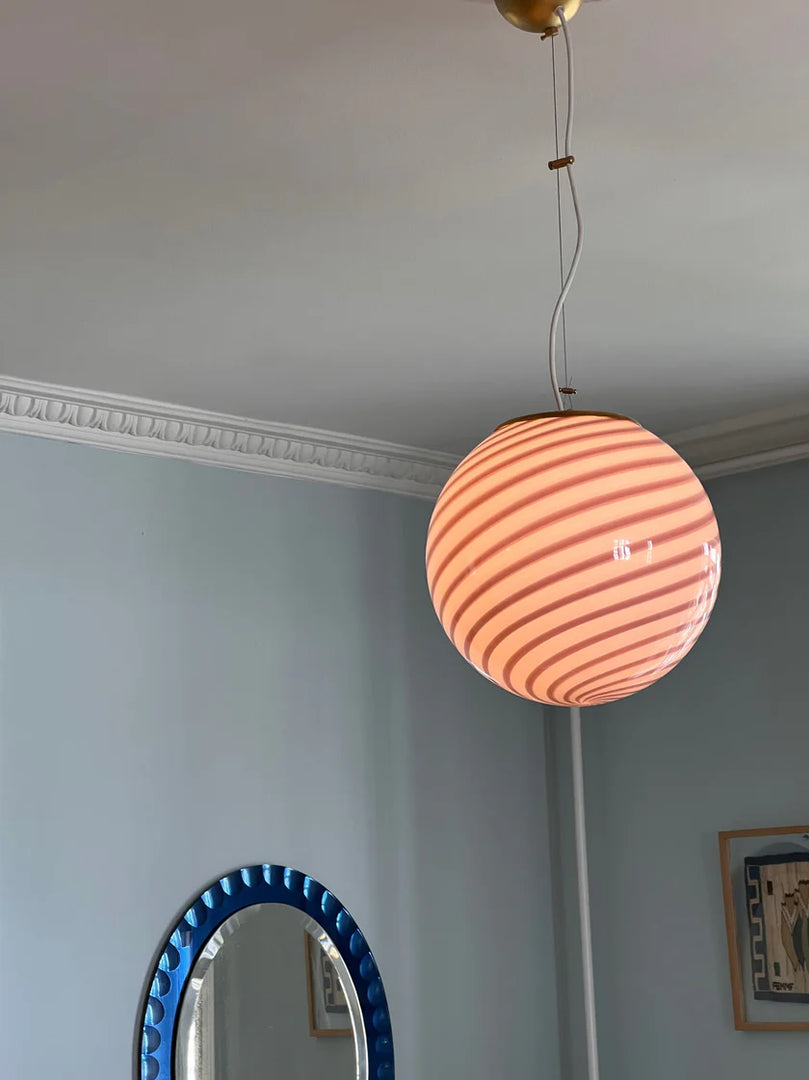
<point>765,884</point>
<point>329,1014</point>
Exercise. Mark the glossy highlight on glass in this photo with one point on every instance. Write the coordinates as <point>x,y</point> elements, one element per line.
<point>573,558</point>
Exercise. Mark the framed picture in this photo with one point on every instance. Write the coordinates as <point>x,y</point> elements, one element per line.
<point>765,884</point>
<point>329,1014</point>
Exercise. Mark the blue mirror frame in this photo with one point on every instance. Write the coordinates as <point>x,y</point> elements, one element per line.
<point>265,884</point>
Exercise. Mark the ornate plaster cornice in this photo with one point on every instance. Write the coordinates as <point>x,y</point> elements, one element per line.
<point>755,441</point>
<point>118,422</point>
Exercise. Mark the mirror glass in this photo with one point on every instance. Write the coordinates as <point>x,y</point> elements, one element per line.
<point>269,995</point>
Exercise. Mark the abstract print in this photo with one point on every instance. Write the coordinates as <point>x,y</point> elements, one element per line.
<point>778,910</point>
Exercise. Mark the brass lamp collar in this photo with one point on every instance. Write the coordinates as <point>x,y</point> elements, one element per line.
<point>562,415</point>
<point>537,16</point>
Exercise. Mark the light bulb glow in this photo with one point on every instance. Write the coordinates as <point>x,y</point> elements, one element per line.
<point>573,558</point>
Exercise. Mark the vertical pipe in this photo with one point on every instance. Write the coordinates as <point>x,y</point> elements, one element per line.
<point>584,896</point>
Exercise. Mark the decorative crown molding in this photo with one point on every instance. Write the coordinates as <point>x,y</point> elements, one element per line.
<point>755,441</point>
<point>118,422</point>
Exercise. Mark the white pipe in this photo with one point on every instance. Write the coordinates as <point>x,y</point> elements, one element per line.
<point>584,896</point>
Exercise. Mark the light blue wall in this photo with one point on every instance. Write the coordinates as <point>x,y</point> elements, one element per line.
<point>202,669</point>
<point>721,743</point>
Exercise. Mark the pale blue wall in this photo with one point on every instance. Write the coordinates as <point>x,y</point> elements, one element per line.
<point>202,669</point>
<point>721,743</point>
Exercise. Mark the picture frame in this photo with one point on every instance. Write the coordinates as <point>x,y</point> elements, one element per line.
<point>765,889</point>
<point>328,1006</point>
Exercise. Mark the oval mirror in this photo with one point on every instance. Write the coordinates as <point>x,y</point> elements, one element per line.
<point>266,973</point>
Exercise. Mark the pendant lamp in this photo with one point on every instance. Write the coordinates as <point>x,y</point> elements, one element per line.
<point>573,557</point>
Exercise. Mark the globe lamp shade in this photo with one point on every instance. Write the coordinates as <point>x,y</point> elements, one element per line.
<point>573,558</point>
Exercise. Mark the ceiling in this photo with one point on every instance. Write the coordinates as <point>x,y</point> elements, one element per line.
<point>339,214</point>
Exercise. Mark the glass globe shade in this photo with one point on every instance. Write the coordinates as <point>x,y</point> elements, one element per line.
<point>573,558</point>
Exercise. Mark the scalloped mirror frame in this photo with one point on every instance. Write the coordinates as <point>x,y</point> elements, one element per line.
<point>264,884</point>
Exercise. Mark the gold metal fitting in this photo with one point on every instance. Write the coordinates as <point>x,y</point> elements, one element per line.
<point>561,163</point>
<point>537,16</point>
<point>569,414</point>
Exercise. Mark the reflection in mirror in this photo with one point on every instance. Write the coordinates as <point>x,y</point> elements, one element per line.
<point>270,995</point>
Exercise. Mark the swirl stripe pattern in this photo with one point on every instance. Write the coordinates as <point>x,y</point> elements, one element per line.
<point>573,558</point>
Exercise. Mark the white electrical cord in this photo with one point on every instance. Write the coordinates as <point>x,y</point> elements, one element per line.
<point>584,896</point>
<point>574,265</point>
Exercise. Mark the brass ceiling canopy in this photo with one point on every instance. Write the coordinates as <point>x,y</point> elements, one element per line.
<point>536,16</point>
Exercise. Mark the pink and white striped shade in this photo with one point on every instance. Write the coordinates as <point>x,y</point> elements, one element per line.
<point>573,558</point>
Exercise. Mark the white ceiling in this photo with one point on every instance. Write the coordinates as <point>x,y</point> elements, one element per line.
<point>338,213</point>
